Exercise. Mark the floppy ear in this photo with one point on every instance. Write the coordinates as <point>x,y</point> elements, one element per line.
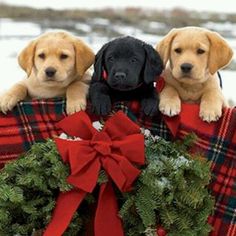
<point>98,65</point>
<point>164,46</point>
<point>220,52</point>
<point>84,57</point>
<point>153,65</point>
<point>26,57</point>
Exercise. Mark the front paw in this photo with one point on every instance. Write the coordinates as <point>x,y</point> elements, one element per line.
<point>149,106</point>
<point>75,105</point>
<point>102,105</point>
<point>170,107</point>
<point>7,102</point>
<point>209,112</point>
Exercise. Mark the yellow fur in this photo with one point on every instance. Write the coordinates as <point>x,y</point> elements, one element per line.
<point>201,85</point>
<point>71,78</point>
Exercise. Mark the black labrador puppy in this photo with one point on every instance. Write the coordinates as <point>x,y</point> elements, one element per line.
<point>125,69</point>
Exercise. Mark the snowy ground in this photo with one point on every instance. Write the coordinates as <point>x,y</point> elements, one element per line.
<point>15,36</point>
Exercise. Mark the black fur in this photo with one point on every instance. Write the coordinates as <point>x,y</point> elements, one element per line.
<point>132,66</point>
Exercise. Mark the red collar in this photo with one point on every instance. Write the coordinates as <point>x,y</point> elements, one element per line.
<point>104,75</point>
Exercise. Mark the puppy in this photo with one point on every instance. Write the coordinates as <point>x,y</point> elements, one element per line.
<point>125,69</point>
<point>56,65</point>
<point>192,57</point>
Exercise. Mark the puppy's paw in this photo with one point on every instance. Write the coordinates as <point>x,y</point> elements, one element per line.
<point>75,105</point>
<point>102,105</point>
<point>149,106</point>
<point>170,107</point>
<point>7,102</point>
<point>210,113</point>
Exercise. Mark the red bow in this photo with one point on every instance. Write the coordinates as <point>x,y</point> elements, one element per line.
<point>115,149</point>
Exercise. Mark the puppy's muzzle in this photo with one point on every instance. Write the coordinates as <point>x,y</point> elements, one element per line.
<point>120,76</point>
<point>186,68</point>
<point>50,72</point>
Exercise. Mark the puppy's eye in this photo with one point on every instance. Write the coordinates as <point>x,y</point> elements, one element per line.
<point>200,51</point>
<point>110,59</point>
<point>63,56</point>
<point>42,56</point>
<point>178,50</point>
<point>133,60</point>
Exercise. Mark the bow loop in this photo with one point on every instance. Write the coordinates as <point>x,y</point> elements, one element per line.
<point>119,126</point>
<point>77,125</point>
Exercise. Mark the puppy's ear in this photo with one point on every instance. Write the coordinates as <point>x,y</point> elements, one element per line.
<point>26,57</point>
<point>220,52</point>
<point>164,46</point>
<point>153,65</point>
<point>98,65</point>
<point>84,57</point>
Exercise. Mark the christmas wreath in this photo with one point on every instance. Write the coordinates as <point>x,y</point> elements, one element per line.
<point>166,194</point>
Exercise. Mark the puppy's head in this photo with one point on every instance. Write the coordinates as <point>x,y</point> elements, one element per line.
<point>56,58</point>
<point>194,52</point>
<point>128,62</point>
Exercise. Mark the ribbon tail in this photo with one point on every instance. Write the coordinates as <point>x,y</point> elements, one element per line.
<point>107,221</point>
<point>62,217</point>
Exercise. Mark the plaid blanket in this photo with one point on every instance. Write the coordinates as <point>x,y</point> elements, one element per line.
<point>35,121</point>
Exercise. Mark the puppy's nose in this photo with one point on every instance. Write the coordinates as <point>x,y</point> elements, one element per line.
<point>120,75</point>
<point>50,71</point>
<point>186,67</point>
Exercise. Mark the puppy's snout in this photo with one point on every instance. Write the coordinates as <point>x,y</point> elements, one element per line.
<point>50,71</point>
<point>120,75</point>
<point>186,67</point>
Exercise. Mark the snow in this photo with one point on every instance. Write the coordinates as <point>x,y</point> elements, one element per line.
<point>20,29</point>
<point>100,21</point>
<point>163,182</point>
<point>84,27</point>
<point>97,125</point>
<point>180,161</point>
<point>67,137</point>
<point>226,26</point>
<point>157,25</point>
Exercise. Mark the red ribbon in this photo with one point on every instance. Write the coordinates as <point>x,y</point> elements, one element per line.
<point>115,149</point>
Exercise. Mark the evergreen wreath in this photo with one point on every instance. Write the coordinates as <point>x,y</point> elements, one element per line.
<point>171,192</point>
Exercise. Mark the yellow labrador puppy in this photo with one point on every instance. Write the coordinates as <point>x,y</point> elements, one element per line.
<point>56,64</point>
<point>192,57</point>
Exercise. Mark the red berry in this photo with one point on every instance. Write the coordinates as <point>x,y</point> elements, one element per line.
<point>161,231</point>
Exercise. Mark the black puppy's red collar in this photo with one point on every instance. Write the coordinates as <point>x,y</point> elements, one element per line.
<point>104,75</point>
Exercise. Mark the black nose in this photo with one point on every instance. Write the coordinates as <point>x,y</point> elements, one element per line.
<point>50,71</point>
<point>186,67</point>
<point>120,75</point>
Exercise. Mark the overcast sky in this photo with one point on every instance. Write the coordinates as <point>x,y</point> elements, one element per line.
<point>199,5</point>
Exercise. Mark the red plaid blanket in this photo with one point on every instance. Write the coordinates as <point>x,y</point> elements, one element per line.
<point>35,121</point>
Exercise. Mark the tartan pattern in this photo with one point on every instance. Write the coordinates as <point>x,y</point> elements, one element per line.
<point>218,144</point>
<point>29,122</point>
<point>36,121</point>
